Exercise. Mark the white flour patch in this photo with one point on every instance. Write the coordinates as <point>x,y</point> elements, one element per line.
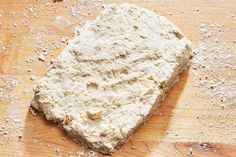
<point>7,84</point>
<point>215,65</point>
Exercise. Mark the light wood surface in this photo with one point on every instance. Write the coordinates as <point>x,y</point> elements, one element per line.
<point>173,131</point>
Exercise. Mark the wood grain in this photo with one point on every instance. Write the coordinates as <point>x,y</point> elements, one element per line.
<point>174,128</point>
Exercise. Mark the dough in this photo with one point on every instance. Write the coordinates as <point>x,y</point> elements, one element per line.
<point>111,77</point>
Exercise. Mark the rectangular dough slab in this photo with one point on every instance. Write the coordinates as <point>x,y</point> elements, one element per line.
<point>112,76</point>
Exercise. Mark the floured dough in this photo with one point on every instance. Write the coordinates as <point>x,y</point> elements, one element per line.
<point>111,77</point>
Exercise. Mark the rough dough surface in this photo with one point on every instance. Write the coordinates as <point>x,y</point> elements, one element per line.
<point>111,77</point>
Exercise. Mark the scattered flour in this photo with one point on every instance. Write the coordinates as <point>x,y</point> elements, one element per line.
<point>11,126</point>
<point>7,84</point>
<point>214,66</point>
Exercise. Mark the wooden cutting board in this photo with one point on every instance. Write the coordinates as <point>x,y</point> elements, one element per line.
<point>29,26</point>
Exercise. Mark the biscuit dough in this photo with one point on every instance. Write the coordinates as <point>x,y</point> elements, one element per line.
<point>111,77</point>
